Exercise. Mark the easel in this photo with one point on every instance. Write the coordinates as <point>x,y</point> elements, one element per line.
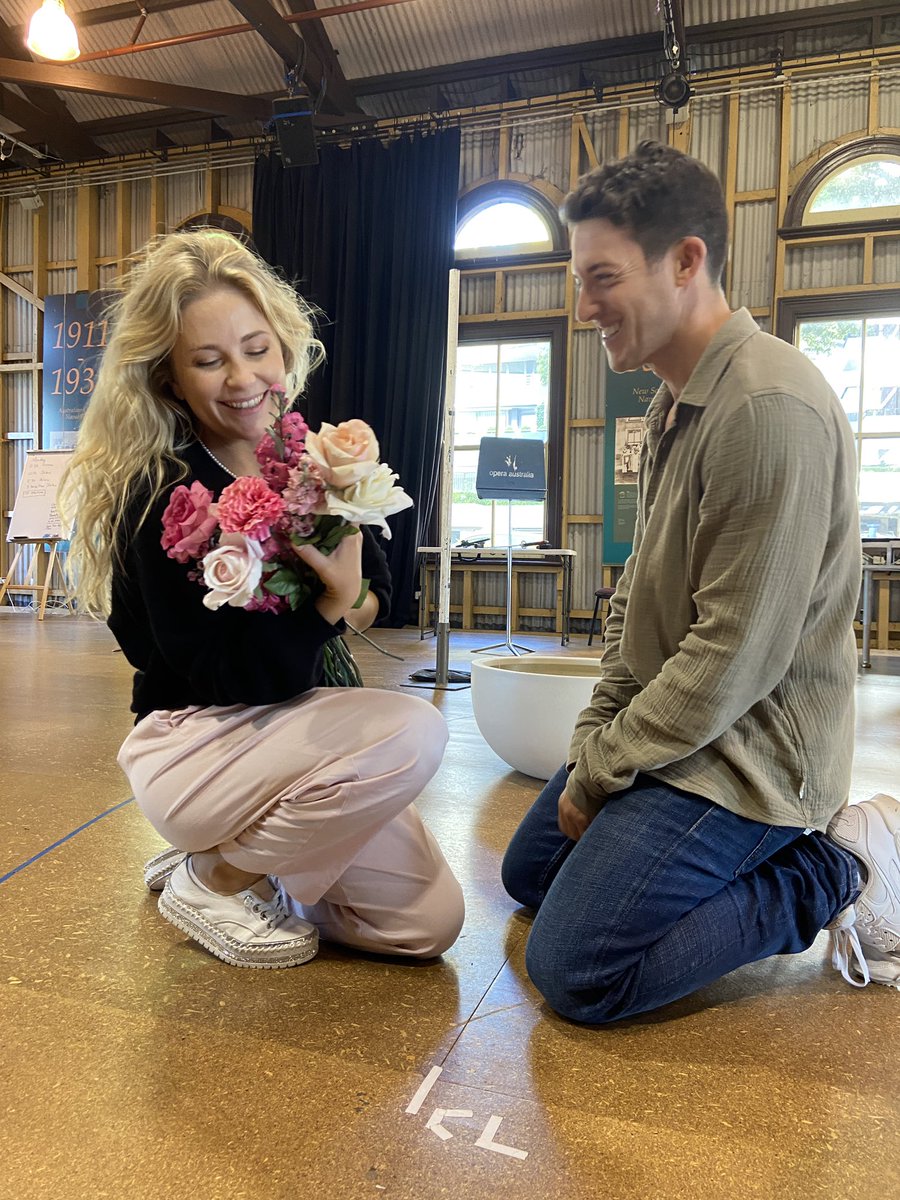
<point>31,583</point>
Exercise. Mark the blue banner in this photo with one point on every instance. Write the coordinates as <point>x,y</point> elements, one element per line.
<point>75,333</point>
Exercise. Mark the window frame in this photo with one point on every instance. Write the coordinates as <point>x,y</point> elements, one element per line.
<point>501,191</point>
<point>554,330</point>
<point>887,145</point>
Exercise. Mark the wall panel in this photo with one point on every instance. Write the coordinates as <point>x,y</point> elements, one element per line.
<point>585,471</point>
<point>535,291</point>
<point>830,264</point>
<point>754,254</point>
<point>588,375</point>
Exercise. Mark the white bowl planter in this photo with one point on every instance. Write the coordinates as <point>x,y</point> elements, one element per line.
<point>525,708</point>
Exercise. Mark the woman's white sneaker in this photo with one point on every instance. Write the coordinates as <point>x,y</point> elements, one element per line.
<point>158,868</point>
<point>253,928</point>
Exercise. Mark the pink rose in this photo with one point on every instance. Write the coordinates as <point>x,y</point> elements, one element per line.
<point>249,506</point>
<point>346,453</point>
<point>188,522</point>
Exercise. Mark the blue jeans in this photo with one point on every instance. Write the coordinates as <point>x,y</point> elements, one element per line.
<point>664,893</point>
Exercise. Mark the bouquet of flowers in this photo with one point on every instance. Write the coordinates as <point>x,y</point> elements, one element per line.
<point>315,489</point>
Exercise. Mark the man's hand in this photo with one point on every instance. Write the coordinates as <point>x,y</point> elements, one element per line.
<point>572,821</point>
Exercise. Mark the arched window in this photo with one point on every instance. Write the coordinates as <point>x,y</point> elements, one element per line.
<point>507,219</point>
<point>868,187</point>
<point>857,184</point>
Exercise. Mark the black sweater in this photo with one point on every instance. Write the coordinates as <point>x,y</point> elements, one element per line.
<point>184,653</point>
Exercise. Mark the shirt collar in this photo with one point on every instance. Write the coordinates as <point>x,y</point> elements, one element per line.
<point>698,390</point>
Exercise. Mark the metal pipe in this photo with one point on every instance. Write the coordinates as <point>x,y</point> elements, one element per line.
<point>227,30</point>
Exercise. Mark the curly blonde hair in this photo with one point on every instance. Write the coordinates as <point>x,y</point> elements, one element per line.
<point>134,425</point>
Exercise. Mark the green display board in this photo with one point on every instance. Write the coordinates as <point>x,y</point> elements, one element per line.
<point>627,398</point>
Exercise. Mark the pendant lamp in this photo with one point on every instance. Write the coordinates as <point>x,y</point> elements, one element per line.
<point>52,34</point>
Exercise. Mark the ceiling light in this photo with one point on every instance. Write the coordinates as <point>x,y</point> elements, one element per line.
<point>51,33</point>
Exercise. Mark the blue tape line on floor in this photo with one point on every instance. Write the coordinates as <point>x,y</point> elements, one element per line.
<point>86,825</point>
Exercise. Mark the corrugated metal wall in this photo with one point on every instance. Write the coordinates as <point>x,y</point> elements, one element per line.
<point>758,133</point>
<point>535,291</point>
<point>886,260</point>
<point>832,264</point>
<point>585,471</point>
<point>588,376</point>
<point>824,110</point>
<point>753,251</point>
<point>541,151</point>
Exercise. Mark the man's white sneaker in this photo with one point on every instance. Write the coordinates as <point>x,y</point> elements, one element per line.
<point>871,832</point>
<point>865,936</point>
<point>158,868</point>
<point>254,928</point>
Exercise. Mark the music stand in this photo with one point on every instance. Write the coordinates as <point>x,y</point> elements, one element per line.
<point>510,469</point>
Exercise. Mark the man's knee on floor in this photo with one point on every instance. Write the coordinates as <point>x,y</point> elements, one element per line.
<point>519,882</point>
<point>558,973</point>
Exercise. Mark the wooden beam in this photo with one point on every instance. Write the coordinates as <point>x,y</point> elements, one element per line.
<point>147,91</point>
<point>65,138</point>
<point>312,52</point>
<point>16,287</point>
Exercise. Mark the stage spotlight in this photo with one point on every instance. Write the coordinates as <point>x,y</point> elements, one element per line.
<point>673,90</point>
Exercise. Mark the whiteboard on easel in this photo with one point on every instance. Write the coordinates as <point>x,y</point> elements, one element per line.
<point>35,515</point>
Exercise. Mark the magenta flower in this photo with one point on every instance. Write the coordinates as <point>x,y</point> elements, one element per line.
<point>249,506</point>
<point>188,522</point>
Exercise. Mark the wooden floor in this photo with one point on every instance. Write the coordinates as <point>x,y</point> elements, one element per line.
<point>135,1065</point>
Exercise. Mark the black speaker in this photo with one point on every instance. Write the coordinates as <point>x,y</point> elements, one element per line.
<point>292,120</point>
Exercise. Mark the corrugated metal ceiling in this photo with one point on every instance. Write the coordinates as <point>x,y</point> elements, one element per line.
<point>419,36</point>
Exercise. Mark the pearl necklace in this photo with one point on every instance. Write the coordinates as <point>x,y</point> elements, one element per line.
<point>217,461</point>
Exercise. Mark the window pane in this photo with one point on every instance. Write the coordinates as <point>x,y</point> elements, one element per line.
<point>881,375</point>
<point>470,517</point>
<point>836,349</point>
<point>475,414</point>
<point>869,183</point>
<point>524,389</point>
<point>879,487</point>
<point>505,223</point>
<point>502,390</point>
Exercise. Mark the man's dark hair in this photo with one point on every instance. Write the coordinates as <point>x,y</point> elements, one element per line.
<point>658,196</point>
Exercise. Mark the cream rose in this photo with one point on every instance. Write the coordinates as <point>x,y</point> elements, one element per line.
<point>232,571</point>
<point>345,453</point>
<point>371,500</point>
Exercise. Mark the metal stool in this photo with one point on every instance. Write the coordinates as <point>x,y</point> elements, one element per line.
<point>600,595</point>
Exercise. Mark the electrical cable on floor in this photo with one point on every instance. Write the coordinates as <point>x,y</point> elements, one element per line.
<point>380,649</point>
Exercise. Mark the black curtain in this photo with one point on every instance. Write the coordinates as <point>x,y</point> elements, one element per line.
<point>367,236</point>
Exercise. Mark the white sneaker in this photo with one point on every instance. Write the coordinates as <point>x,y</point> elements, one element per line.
<point>158,868</point>
<point>249,929</point>
<point>869,930</point>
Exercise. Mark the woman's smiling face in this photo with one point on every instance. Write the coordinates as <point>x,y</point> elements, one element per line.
<point>223,363</point>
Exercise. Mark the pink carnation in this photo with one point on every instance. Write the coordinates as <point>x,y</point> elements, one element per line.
<point>249,506</point>
<point>188,522</point>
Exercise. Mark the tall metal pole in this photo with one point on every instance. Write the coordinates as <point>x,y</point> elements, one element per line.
<point>442,629</point>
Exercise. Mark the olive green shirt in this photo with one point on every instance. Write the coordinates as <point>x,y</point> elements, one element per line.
<point>730,660</point>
